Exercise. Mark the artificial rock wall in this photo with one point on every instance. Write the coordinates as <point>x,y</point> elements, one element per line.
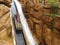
<point>5,25</point>
<point>43,20</point>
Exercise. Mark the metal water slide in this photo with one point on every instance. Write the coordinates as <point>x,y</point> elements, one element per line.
<point>21,36</point>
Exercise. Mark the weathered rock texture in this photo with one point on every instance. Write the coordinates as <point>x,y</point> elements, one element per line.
<point>45,27</point>
<point>5,26</point>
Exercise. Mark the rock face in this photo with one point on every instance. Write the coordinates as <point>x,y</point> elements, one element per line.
<point>5,26</point>
<point>43,20</point>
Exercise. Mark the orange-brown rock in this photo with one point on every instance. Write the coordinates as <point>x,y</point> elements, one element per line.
<point>47,11</point>
<point>57,23</point>
<point>41,22</point>
<point>5,26</point>
<point>56,37</point>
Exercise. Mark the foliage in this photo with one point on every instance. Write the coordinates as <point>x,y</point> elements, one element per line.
<point>40,1</point>
<point>53,15</point>
<point>53,3</point>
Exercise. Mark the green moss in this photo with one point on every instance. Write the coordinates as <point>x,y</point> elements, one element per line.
<point>40,1</point>
<point>54,5</point>
<point>52,25</point>
<point>53,15</point>
<point>52,2</point>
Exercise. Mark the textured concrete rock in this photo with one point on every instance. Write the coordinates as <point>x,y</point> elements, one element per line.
<point>3,9</point>
<point>6,2</point>
<point>3,43</point>
<point>39,16</point>
<point>47,33</point>
<point>56,37</point>
<point>5,26</point>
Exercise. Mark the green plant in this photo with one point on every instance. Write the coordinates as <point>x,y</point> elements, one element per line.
<point>53,15</point>
<point>54,5</point>
<point>40,1</point>
<point>53,2</point>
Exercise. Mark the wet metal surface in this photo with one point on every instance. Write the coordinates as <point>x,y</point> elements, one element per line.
<point>20,38</point>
